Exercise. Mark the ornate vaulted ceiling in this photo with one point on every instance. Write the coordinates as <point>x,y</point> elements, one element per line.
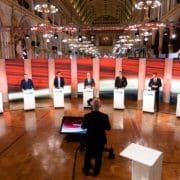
<point>95,12</point>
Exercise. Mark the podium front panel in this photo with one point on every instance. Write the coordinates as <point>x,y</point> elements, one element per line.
<point>87,94</point>
<point>148,101</point>
<point>58,97</point>
<point>1,103</point>
<point>119,98</point>
<point>29,99</point>
<point>178,106</point>
<point>146,162</point>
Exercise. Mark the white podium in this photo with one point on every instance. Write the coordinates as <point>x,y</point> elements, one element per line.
<point>29,99</point>
<point>146,162</point>
<point>178,106</point>
<point>58,97</point>
<point>1,103</point>
<point>148,101</point>
<point>119,98</point>
<point>87,94</point>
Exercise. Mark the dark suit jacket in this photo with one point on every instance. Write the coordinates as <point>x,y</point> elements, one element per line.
<point>62,82</point>
<point>96,123</point>
<point>27,85</point>
<point>91,83</point>
<point>157,83</point>
<point>120,83</point>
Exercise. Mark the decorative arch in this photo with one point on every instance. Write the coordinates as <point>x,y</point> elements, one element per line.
<point>24,22</point>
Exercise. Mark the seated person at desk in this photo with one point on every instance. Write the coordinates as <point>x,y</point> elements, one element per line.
<point>120,81</point>
<point>155,84</point>
<point>26,83</point>
<point>59,81</point>
<point>89,82</point>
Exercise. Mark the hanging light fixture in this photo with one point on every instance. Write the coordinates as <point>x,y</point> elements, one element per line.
<point>146,24</point>
<point>46,28</point>
<point>46,8</point>
<point>145,4</point>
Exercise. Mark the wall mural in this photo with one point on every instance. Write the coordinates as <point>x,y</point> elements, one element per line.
<point>14,73</point>
<point>40,73</point>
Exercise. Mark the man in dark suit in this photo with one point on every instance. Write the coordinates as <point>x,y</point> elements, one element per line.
<point>89,82</point>
<point>120,81</point>
<point>59,81</point>
<point>155,84</point>
<point>26,83</point>
<point>96,124</point>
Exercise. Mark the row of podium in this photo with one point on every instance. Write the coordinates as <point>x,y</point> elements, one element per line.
<point>118,103</point>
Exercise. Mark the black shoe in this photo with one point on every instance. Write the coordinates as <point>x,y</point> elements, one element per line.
<point>95,174</point>
<point>85,172</point>
<point>111,154</point>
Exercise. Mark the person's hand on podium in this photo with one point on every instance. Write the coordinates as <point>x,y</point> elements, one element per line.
<point>89,86</point>
<point>154,86</point>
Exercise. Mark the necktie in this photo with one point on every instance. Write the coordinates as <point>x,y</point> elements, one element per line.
<point>59,85</point>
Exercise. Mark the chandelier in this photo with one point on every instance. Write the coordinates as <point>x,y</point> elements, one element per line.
<point>147,24</point>
<point>46,8</point>
<point>146,4</point>
<point>46,28</point>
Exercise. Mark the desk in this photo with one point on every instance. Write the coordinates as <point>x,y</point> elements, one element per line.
<point>1,103</point>
<point>178,106</point>
<point>58,97</point>
<point>119,98</point>
<point>148,101</point>
<point>87,94</point>
<point>29,99</point>
<point>146,162</point>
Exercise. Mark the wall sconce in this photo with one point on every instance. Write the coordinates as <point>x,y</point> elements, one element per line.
<point>27,36</point>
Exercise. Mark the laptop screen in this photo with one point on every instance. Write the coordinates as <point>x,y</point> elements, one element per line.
<point>72,125</point>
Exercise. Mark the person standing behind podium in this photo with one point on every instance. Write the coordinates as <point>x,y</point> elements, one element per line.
<point>26,83</point>
<point>89,82</point>
<point>120,81</point>
<point>59,81</point>
<point>155,84</point>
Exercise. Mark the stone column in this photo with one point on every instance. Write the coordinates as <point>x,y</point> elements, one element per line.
<point>170,46</point>
<point>2,45</point>
<point>3,81</point>
<point>51,75</point>
<point>160,40</point>
<point>141,77</point>
<point>167,80</point>
<point>6,45</point>
<point>96,70</point>
<point>74,80</point>
<point>153,36</point>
